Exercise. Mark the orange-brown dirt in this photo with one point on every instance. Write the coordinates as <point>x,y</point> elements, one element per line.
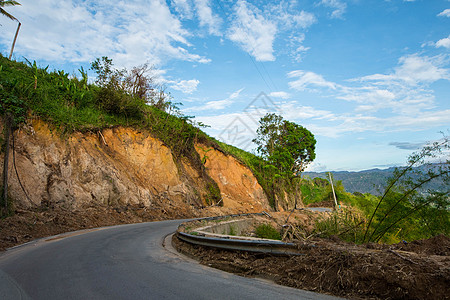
<point>113,176</point>
<point>342,269</point>
<point>238,185</point>
<point>121,176</point>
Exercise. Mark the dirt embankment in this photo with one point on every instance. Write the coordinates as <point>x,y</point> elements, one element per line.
<point>119,166</point>
<point>114,176</point>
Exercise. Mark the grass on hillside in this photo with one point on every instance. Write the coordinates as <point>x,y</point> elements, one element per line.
<point>71,103</point>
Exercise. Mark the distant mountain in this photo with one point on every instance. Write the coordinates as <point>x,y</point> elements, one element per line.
<point>367,181</point>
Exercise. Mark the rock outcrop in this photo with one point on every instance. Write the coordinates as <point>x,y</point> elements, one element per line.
<point>120,166</point>
<point>238,185</point>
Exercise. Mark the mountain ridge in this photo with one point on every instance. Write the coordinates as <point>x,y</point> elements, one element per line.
<point>370,181</point>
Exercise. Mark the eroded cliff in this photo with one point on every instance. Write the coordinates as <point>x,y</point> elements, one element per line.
<point>122,166</point>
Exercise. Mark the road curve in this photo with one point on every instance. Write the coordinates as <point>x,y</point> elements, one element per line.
<point>123,262</point>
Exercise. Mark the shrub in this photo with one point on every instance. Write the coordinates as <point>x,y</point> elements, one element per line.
<point>267,231</point>
<point>348,224</point>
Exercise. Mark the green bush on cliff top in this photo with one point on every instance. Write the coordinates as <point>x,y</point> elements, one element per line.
<point>71,103</point>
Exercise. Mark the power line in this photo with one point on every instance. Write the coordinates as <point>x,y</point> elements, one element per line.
<point>251,58</point>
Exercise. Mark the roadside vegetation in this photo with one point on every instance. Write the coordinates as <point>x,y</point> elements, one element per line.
<point>120,97</point>
<point>407,210</point>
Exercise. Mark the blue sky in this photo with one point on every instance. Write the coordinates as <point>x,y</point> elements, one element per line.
<point>370,79</point>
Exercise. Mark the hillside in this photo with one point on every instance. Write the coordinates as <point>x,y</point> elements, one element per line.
<point>86,155</point>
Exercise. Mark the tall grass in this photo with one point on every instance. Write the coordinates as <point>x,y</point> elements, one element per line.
<point>71,104</point>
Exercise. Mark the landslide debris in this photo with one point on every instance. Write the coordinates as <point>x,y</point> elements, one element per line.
<point>415,270</point>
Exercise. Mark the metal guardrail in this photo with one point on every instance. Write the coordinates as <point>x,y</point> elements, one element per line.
<point>261,246</point>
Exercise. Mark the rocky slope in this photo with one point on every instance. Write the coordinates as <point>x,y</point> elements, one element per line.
<point>122,166</point>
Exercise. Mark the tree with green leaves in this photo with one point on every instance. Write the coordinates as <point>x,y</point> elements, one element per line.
<point>408,209</point>
<point>287,146</point>
<point>6,115</point>
<point>3,12</point>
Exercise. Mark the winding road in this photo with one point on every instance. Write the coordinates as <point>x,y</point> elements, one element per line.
<point>123,262</point>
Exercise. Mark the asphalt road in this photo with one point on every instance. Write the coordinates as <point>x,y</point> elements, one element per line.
<point>123,262</point>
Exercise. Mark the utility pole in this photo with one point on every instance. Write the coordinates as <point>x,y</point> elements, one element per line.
<point>334,194</point>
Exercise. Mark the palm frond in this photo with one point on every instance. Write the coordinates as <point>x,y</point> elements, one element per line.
<point>9,3</point>
<point>6,14</point>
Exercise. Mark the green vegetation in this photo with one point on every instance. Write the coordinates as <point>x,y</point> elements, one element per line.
<point>408,209</point>
<point>345,224</point>
<point>285,145</point>
<point>286,149</point>
<point>403,212</point>
<point>232,230</point>
<point>119,98</point>
<point>267,231</point>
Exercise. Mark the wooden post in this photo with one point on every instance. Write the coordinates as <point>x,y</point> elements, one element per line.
<point>334,194</point>
<point>5,163</point>
<point>14,41</point>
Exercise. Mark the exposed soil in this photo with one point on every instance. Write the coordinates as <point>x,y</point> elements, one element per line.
<point>327,203</point>
<point>417,270</point>
<point>27,225</point>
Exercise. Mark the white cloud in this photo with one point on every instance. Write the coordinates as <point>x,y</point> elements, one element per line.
<point>216,104</point>
<point>414,69</point>
<point>445,42</point>
<point>316,167</point>
<point>289,16</point>
<point>185,86</point>
<point>407,145</point>
<point>236,94</point>
<point>131,33</point>
<point>445,13</point>
<point>295,44</point>
<point>338,6</point>
<point>183,8</point>
<point>303,19</point>
<point>308,79</point>
<point>282,95</point>
<point>403,95</point>
<point>292,21</point>
<point>253,32</point>
<point>294,111</point>
<point>347,123</point>
<point>207,18</point>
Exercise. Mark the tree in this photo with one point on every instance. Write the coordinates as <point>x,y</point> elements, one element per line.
<point>138,83</point>
<point>4,12</point>
<point>8,15</point>
<point>404,200</point>
<point>4,195</point>
<point>13,112</point>
<point>287,146</point>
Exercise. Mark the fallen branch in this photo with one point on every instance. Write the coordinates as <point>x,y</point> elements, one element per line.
<point>402,257</point>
